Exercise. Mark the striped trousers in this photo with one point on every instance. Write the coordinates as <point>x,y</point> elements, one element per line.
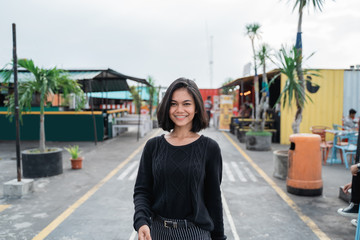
<point>192,232</point>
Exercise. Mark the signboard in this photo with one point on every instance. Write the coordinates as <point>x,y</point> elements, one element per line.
<point>226,112</point>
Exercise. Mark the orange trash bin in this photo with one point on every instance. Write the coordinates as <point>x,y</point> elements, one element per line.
<point>304,170</point>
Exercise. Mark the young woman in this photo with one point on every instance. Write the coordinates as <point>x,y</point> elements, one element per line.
<point>177,191</point>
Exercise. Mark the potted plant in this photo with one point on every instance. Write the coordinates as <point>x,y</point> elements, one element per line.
<point>293,91</point>
<point>258,139</point>
<point>43,161</point>
<point>76,159</point>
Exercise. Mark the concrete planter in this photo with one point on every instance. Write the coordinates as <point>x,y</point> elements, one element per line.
<point>281,159</point>
<point>240,134</point>
<point>258,141</point>
<point>36,165</point>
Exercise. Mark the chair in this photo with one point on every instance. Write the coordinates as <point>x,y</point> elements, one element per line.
<point>325,146</point>
<point>349,148</point>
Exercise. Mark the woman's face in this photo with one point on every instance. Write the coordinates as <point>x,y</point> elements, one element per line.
<point>182,108</point>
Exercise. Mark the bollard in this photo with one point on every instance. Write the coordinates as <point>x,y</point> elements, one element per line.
<point>304,170</point>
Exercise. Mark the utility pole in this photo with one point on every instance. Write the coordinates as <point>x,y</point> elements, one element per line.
<point>16,98</point>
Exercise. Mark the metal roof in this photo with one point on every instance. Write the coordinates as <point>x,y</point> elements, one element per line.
<point>248,79</point>
<point>104,80</point>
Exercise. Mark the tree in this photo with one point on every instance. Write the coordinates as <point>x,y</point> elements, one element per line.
<point>287,63</point>
<point>45,82</point>
<point>136,98</point>
<point>253,31</point>
<point>227,90</point>
<point>300,4</point>
<point>152,94</point>
<point>263,55</point>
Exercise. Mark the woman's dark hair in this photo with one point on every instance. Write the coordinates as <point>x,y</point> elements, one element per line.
<point>200,120</point>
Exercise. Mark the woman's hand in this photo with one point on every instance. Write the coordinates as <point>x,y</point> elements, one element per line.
<point>354,169</point>
<point>144,233</point>
<point>347,187</point>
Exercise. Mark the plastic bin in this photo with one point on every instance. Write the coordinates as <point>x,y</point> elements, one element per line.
<point>304,170</point>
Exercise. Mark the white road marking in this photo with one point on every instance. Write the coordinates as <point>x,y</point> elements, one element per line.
<point>238,172</point>
<point>250,174</point>
<point>228,172</point>
<point>229,217</point>
<point>133,175</point>
<point>127,171</point>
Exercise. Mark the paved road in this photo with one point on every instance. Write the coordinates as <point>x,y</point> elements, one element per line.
<point>96,202</point>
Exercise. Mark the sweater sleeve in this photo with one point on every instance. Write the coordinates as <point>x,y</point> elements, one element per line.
<point>143,196</point>
<point>212,189</point>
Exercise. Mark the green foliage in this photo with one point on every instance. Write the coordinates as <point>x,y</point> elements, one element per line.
<point>227,90</point>
<point>317,4</point>
<point>152,92</point>
<point>44,83</point>
<point>264,53</point>
<point>74,151</point>
<point>287,63</point>
<point>136,98</point>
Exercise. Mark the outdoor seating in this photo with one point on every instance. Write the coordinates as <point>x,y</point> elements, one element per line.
<point>325,146</point>
<point>349,148</point>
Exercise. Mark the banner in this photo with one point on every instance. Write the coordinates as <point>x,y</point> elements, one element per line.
<point>226,112</point>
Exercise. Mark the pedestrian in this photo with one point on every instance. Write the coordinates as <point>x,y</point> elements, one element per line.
<point>349,120</point>
<point>177,191</point>
<point>208,107</point>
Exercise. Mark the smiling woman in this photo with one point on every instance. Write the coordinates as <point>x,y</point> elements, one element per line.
<point>177,191</point>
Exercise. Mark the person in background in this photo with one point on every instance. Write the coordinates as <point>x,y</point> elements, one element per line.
<point>177,191</point>
<point>353,209</point>
<point>349,120</point>
<point>208,107</point>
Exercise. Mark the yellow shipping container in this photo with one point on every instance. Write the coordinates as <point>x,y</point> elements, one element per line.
<point>325,109</point>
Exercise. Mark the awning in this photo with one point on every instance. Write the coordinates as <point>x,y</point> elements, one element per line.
<point>105,80</point>
<point>249,79</point>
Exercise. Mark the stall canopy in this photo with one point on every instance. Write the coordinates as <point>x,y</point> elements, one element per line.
<point>105,80</point>
<point>250,79</point>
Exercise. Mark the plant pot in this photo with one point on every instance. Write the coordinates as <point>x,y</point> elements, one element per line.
<point>258,141</point>
<point>76,163</point>
<point>36,165</point>
<point>240,134</point>
<point>281,159</point>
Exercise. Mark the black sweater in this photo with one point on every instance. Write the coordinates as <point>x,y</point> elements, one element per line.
<point>180,182</point>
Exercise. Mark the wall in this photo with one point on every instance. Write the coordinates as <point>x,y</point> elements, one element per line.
<point>325,109</point>
<point>59,126</point>
<point>351,91</point>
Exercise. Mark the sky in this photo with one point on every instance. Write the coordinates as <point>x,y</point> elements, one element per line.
<point>168,39</point>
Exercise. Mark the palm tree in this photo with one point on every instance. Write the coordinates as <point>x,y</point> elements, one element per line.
<point>263,55</point>
<point>287,63</point>
<point>136,98</point>
<point>300,4</point>
<point>44,83</point>
<point>253,31</point>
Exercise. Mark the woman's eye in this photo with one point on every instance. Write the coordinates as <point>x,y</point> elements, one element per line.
<point>172,104</point>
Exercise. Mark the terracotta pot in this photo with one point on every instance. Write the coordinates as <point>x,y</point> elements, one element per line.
<point>77,163</point>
